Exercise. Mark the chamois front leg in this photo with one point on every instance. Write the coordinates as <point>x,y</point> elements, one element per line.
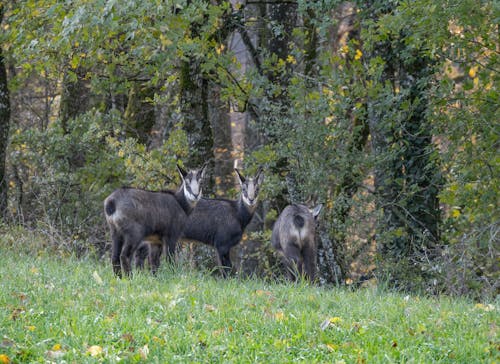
<point>224,260</point>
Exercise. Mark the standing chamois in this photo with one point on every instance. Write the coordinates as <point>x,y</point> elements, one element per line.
<point>134,215</point>
<point>221,223</point>
<point>294,238</point>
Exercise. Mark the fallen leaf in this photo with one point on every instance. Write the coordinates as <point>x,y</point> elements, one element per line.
<point>332,347</point>
<point>209,308</point>
<point>144,351</point>
<point>488,307</point>
<point>4,359</point>
<point>94,350</point>
<point>97,278</point>
<point>56,347</point>
<point>279,316</point>
<point>31,328</point>
<point>16,312</point>
<point>128,337</point>
<point>54,354</point>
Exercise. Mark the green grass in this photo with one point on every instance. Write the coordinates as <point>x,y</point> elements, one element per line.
<point>55,309</point>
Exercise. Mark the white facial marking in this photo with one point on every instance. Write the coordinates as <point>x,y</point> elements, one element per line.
<point>249,197</point>
<point>195,187</point>
<point>189,195</point>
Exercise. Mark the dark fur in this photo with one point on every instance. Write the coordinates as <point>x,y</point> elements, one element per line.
<point>221,223</point>
<point>293,237</point>
<point>134,214</point>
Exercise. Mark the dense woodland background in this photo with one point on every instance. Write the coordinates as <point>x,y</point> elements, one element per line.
<point>385,111</point>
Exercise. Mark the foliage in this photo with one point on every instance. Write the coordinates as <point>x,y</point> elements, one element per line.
<point>75,310</point>
<point>391,124</point>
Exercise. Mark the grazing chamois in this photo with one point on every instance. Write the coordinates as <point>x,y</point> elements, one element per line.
<point>221,222</point>
<point>134,215</point>
<point>293,237</point>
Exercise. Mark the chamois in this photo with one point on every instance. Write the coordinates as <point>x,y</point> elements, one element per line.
<point>221,222</point>
<point>134,215</point>
<point>293,237</point>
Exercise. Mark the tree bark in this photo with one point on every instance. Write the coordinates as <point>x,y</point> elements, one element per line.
<point>4,128</point>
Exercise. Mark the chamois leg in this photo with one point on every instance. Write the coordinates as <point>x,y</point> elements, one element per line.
<point>116,252</point>
<point>224,260</point>
<point>293,261</point>
<point>154,257</point>
<point>171,249</point>
<point>129,247</point>
<point>309,253</point>
<point>141,254</point>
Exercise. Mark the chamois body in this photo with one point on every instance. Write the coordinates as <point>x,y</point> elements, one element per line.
<point>293,237</point>
<point>133,215</point>
<point>221,222</point>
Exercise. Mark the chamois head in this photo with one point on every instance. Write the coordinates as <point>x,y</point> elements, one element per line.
<point>250,187</point>
<point>191,183</point>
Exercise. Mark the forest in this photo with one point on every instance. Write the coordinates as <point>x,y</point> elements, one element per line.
<point>386,112</point>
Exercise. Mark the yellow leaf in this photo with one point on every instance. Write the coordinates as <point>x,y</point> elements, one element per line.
<point>56,347</point>
<point>335,320</point>
<point>488,307</point>
<point>94,350</point>
<point>332,347</point>
<point>4,359</point>
<point>358,54</point>
<point>472,72</point>
<point>455,213</point>
<point>31,328</point>
<point>279,316</point>
<point>291,59</point>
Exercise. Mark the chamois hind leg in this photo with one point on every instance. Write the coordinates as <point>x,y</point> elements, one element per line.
<point>117,240</point>
<point>293,261</point>
<point>155,251</point>
<point>131,242</point>
<point>309,254</point>
<point>141,254</point>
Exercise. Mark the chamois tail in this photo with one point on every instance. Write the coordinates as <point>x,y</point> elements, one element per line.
<point>298,221</point>
<point>110,207</point>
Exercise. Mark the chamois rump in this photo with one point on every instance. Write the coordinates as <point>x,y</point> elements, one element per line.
<point>134,215</point>
<point>221,222</point>
<point>293,237</point>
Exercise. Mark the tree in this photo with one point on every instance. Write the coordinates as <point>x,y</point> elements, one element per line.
<point>4,126</point>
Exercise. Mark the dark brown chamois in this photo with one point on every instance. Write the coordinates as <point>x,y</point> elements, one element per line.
<point>134,215</point>
<point>293,237</point>
<point>221,223</point>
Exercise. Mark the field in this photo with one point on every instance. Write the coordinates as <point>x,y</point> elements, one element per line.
<point>56,309</point>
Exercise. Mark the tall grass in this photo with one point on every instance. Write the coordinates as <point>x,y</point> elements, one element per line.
<point>63,309</point>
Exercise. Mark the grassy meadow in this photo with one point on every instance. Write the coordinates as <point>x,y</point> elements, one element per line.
<point>63,309</point>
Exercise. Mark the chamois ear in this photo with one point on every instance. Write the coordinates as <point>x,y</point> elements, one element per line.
<point>315,211</point>
<point>259,177</point>
<point>241,178</point>
<point>182,172</point>
<point>203,170</point>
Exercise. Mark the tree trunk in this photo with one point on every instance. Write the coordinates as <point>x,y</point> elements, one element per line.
<point>4,128</point>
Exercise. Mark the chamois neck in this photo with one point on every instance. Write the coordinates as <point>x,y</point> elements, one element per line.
<point>183,201</point>
<point>245,212</point>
